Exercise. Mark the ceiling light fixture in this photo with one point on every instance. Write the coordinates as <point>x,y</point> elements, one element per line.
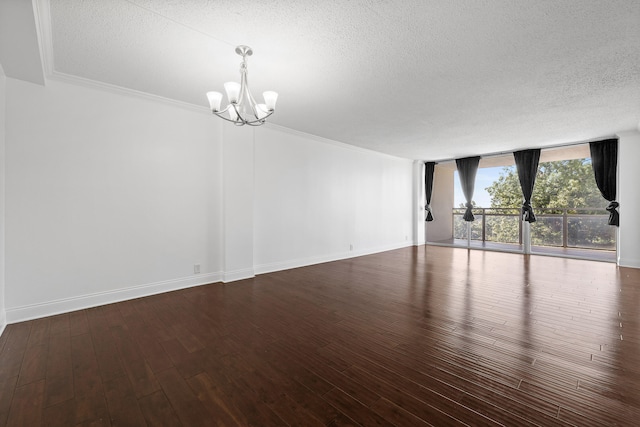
<point>243,108</point>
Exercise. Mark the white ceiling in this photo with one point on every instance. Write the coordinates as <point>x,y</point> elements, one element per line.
<point>418,79</point>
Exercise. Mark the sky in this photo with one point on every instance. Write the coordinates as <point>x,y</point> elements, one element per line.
<point>484,178</point>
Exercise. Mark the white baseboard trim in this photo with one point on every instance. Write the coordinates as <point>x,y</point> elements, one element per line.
<point>50,308</point>
<point>626,262</point>
<point>66,305</point>
<point>232,276</point>
<point>303,262</point>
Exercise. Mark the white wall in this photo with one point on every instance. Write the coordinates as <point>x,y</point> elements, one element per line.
<point>441,228</point>
<point>111,196</point>
<point>108,197</point>
<point>629,199</point>
<point>316,201</point>
<point>237,201</point>
<point>3,316</point>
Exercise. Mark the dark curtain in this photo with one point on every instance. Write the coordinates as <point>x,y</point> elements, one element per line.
<point>467,169</point>
<point>429,168</point>
<point>604,160</point>
<point>527,164</point>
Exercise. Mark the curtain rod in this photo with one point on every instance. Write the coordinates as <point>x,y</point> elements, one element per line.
<point>502,153</point>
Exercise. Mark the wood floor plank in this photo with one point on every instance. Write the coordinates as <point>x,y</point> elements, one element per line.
<point>254,412</point>
<point>39,334</point>
<point>60,414</point>
<point>292,413</point>
<point>138,371</point>
<point>398,416</point>
<point>187,406</point>
<point>222,411</point>
<point>78,323</point>
<point>13,350</point>
<point>122,403</point>
<point>34,364</point>
<point>354,409</point>
<point>421,402</point>
<point>7,388</point>
<point>26,405</point>
<point>91,408</point>
<point>60,324</point>
<point>59,355</point>
<point>58,389</point>
<point>157,410</point>
<point>415,336</point>
<point>59,371</point>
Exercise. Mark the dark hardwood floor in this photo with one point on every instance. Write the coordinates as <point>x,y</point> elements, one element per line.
<point>417,336</point>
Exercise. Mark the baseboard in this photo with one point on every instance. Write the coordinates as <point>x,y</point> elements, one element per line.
<point>50,308</point>
<point>232,276</point>
<point>303,262</point>
<point>626,262</point>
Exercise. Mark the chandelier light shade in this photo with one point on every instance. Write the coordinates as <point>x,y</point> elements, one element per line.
<point>242,108</point>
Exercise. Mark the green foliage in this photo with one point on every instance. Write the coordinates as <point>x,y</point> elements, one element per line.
<point>561,184</point>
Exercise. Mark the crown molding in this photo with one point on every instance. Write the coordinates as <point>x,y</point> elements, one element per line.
<point>119,90</point>
<point>301,134</point>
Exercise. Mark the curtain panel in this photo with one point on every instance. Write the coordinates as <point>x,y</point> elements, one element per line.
<point>527,165</point>
<point>467,169</point>
<point>429,168</point>
<point>604,160</point>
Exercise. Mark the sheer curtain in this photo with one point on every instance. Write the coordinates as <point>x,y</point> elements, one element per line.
<point>604,160</point>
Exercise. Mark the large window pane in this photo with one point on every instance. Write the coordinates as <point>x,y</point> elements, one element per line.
<point>590,231</point>
<point>460,225</point>
<point>502,226</point>
<point>547,231</point>
<point>476,226</point>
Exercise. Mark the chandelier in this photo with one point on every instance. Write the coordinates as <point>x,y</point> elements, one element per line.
<point>243,108</point>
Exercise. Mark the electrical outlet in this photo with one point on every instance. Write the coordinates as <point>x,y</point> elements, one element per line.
<point>351,247</point>
<point>196,268</point>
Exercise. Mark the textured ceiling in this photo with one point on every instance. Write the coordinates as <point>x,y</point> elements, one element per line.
<point>413,78</point>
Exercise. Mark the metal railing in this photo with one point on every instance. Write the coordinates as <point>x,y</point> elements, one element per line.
<point>584,228</point>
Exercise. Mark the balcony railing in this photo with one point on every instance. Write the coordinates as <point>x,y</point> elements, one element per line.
<point>584,228</point>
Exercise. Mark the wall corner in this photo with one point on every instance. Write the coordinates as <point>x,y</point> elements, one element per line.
<point>628,177</point>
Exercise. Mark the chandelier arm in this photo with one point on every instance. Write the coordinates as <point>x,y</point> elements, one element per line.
<point>222,111</point>
<point>242,120</point>
<point>252,102</point>
<point>258,121</point>
<point>238,121</point>
<point>218,113</point>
